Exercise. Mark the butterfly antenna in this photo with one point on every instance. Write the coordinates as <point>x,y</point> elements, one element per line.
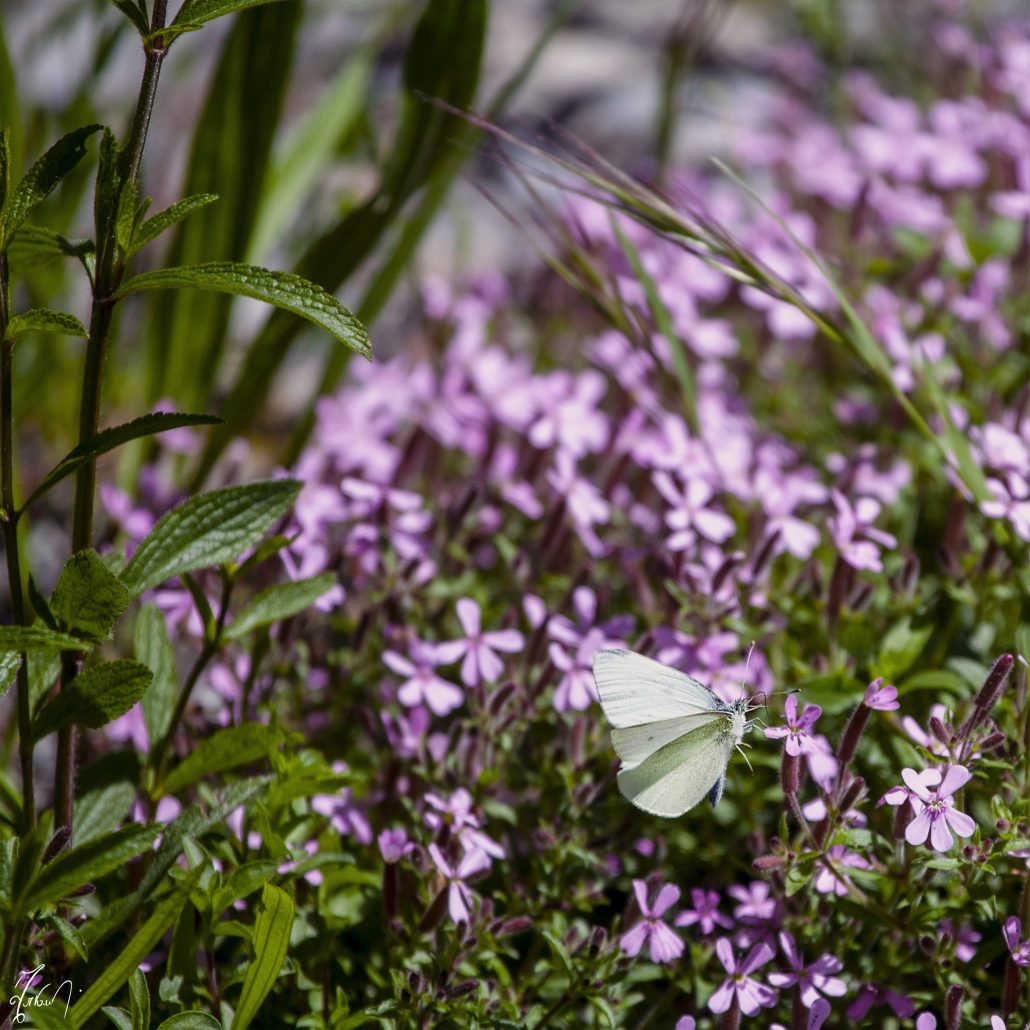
<point>747,664</point>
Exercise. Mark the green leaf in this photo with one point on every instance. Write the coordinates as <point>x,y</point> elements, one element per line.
<point>271,941</point>
<point>191,1021</point>
<point>34,245</point>
<point>42,320</point>
<point>43,177</point>
<point>560,952</point>
<point>225,749</point>
<point>102,810</point>
<point>89,599</point>
<point>68,933</point>
<point>5,167</point>
<point>87,863</point>
<point>281,289</point>
<point>229,154</point>
<point>97,696</point>
<point>242,882</point>
<point>139,1001</point>
<point>796,878</point>
<point>154,650</point>
<point>121,1019</point>
<point>901,646</point>
<point>279,602</point>
<point>37,638</point>
<point>209,529</point>
<point>134,14</point>
<point>153,227</point>
<point>109,439</point>
<point>10,663</point>
<point>117,972</point>
<point>308,151</point>
<point>108,189</point>
<point>196,12</point>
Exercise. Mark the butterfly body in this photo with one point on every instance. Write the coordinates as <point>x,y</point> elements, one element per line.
<point>674,736</point>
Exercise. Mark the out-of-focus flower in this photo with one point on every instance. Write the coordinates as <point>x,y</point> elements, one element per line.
<point>457,812</point>
<point>423,685</point>
<point>705,914</point>
<point>871,995</point>
<point>854,535</point>
<point>1019,949</point>
<point>576,690</point>
<point>460,900</point>
<point>394,845</point>
<point>664,945</point>
<point>840,858</point>
<point>964,938</point>
<point>883,699</point>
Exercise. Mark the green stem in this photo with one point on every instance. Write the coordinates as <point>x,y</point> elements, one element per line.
<point>110,268</point>
<point>10,534</point>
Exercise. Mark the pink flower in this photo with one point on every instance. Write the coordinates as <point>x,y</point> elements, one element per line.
<point>757,905</point>
<point>872,994</point>
<point>481,663</point>
<point>816,1016</point>
<point>394,845</point>
<point>457,813</point>
<point>576,690</point>
<point>810,980</point>
<point>1018,949</point>
<point>936,815</point>
<point>665,946</point>
<point>459,894</point>
<point>964,938</point>
<point>422,683</point>
<point>705,912</point>
<point>799,741</point>
<point>840,858</point>
<point>883,699</point>
<point>853,523</point>
<point>690,515</point>
<point>750,994</point>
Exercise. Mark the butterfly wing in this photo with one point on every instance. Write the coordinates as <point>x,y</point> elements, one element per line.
<point>678,775</point>
<point>634,743</point>
<point>635,690</point>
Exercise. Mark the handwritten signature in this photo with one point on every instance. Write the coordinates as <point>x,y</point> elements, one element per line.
<point>32,978</point>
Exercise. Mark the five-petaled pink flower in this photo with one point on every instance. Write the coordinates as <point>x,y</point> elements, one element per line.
<point>931,797</point>
<point>459,894</point>
<point>796,730</point>
<point>883,699</point>
<point>665,946</point>
<point>705,912</point>
<point>1018,949</point>
<point>750,994</point>
<point>423,685</point>
<point>810,980</point>
<point>852,523</point>
<point>481,663</point>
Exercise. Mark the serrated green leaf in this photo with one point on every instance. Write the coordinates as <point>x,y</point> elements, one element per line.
<point>34,245</point>
<point>117,972</point>
<point>109,439</point>
<point>153,227</point>
<point>191,1021</point>
<point>86,863</point>
<point>38,638</point>
<point>97,696</point>
<point>279,602</point>
<point>43,320</point>
<point>10,663</point>
<point>154,650</point>
<point>43,177</point>
<point>271,941</point>
<point>196,12</point>
<point>139,1001</point>
<point>208,530</point>
<point>281,289</point>
<point>108,188</point>
<point>225,749</point>
<point>89,599</point>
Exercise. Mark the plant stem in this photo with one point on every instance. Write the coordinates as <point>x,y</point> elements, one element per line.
<point>109,271</point>
<point>10,534</point>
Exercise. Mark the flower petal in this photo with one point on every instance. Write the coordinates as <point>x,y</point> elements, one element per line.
<point>955,778</point>
<point>940,836</point>
<point>667,897</point>
<point>919,829</point>
<point>721,1000</point>
<point>961,823</point>
<point>724,950</point>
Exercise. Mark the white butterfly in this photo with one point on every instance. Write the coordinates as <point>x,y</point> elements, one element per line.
<point>674,736</point>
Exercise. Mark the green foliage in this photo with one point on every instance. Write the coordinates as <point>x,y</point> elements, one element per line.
<point>44,321</point>
<point>226,749</point>
<point>154,650</point>
<point>278,603</point>
<point>271,938</point>
<point>88,599</point>
<point>97,696</point>
<point>209,529</point>
<point>153,227</point>
<point>37,638</point>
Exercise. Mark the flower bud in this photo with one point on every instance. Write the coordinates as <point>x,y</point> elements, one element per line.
<point>852,733</point>
<point>789,773</point>
<point>766,862</point>
<point>991,690</point>
<point>953,1007</point>
<point>58,842</point>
